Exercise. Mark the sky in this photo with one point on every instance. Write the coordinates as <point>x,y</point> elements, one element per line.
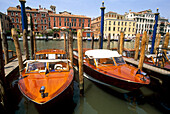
<point>91,8</point>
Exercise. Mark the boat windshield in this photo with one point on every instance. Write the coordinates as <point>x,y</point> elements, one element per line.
<point>105,62</point>
<point>58,66</point>
<point>36,67</point>
<point>51,56</point>
<point>119,60</point>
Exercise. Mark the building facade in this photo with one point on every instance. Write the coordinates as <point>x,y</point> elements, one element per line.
<point>168,28</point>
<point>5,24</point>
<point>114,24</point>
<point>44,19</point>
<point>145,21</point>
<point>40,17</point>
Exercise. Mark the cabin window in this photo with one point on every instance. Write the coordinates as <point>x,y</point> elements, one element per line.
<point>105,62</point>
<point>119,60</point>
<point>58,66</point>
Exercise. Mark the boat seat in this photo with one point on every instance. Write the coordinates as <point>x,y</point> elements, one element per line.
<point>58,66</point>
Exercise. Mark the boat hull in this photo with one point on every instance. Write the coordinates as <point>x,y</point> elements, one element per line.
<point>95,74</point>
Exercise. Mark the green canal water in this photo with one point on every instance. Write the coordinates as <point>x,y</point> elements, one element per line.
<point>96,100</point>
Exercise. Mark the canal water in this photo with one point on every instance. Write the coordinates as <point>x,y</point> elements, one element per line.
<point>97,99</point>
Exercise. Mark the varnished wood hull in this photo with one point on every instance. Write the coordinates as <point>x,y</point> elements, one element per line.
<point>58,96</point>
<point>107,80</point>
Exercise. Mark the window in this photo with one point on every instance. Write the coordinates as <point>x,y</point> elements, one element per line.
<point>109,28</point>
<point>12,20</point>
<point>68,19</point>
<point>17,20</point>
<point>35,20</point>
<point>118,23</point>
<point>49,18</point>
<point>118,29</point>
<point>122,23</point>
<point>124,29</point>
<point>64,23</point>
<point>35,14</point>
<point>41,21</point>
<point>54,18</point>
<point>83,20</point>
<point>17,26</point>
<point>41,27</point>
<point>49,24</point>
<point>88,25</point>
<point>12,13</point>
<point>113,28</point>
<point>75,19</point>
<point>64,19</point>
<point>75,24</point>
<point>60,23</point>
<point>45,21</point>
<point>114,23</point>
<point>45,27</point>
<point>109,22</point>
<point>129,29</point>
<point>79,20</point>
<point>88,20</point>
<point>59,19</point>
<point>16,14</point>
<point>54,24</point>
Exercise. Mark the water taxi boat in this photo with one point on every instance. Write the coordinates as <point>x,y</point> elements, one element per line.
<point>47,80</point>
<point>108,68</point>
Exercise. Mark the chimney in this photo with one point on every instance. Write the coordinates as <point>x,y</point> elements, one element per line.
<point>129,10</point>
<point>39,6</point>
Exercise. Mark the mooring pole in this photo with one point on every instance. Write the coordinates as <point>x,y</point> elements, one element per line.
<point>108,42</point>
<point>154,31</point>
<point>158,42</point>
<point>80,59</point>
<point>25,44</point>
<point>34,42</point>
<point>71,46</point>
<point>121,42</point>
<point>147,42</point>
<point>2,81</point>
<point>5,46</point>
<point>137,41</point>
<point>23,15</point>
<point>65,46</point>
<point>102,24</point>
<point>166,42</point>
<point>18,49</point>
<point>31,44</point>
<point>68,44</point>
<point>92,42</point>
<point>118,44</point>
<point>142,50</point>
<point>99,41</point>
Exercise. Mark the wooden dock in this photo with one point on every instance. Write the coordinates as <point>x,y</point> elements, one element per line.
<point>156,72</point>
<point>12,66</point>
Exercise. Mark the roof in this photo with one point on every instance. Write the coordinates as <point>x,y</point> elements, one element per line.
<point>102,53</point>
<point>51,51</point>
<point>16,9</point>
<point>64,15</point>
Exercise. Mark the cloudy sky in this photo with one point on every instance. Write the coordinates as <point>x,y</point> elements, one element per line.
<point>91,8</point>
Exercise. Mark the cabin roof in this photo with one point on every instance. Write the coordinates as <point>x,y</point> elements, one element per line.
<point>102,53</point>
<point>51,51</point>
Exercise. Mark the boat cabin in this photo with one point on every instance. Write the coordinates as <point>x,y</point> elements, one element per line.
<point>50,54</point>
<point>102,57</point>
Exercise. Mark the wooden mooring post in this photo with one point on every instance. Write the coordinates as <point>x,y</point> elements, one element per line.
<point>158,42</point>
<point>71,47</point>
<point>68,44</point>
<point>92,42</point>
<point>118,44</point>
<point>2,82</point>
<point>166,42</point>
<point>18,49</point>
<point>100,41</point>
<point>25,44</point>
<point>137,41</point>
<point>31,44</point>
<point>121,43</point>
<point>80,61</point>
<point>108,42</point>
<point>65,46</point>
<point>5,46</point>
<point>34,42</point>
<point>142,50</point>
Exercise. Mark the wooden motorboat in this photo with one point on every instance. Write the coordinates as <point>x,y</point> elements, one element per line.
<point>108,67</point>
<point>46,80</point>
